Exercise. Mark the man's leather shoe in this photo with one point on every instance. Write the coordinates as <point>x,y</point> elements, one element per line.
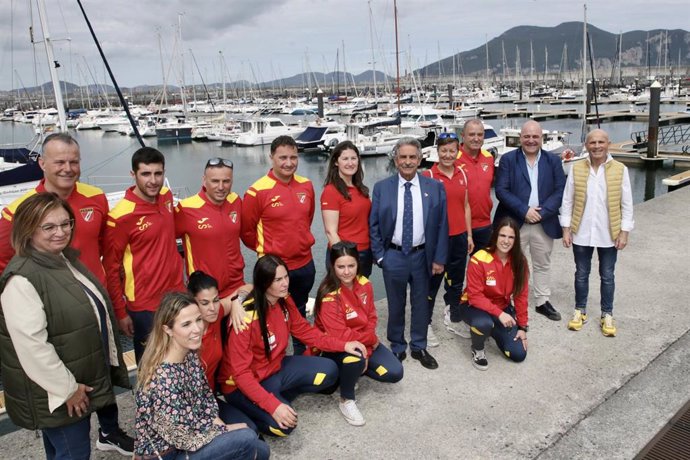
<point>425,358</point>
<point>547,310</point>
<point>400,355</point>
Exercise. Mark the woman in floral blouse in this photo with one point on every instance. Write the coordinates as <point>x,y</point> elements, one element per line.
<point>177,415</point>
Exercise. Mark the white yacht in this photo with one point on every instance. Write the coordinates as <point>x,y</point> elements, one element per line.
<point>261,131</point>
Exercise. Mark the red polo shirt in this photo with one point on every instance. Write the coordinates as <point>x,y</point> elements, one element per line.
<point>480,174</point>
<point>353,217</point>
<point>456,191</point>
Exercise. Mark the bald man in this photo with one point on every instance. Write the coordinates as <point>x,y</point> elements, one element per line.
<point>529,187</point>
<point>597,212</point>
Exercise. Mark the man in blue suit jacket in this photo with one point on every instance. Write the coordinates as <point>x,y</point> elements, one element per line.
<point>412,255</point>
<point>529,187</point>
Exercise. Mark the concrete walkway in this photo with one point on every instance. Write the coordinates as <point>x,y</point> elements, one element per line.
<point>578,394</point>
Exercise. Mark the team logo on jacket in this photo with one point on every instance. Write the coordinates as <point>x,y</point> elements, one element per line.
<point>271,338</point>
<point>233,217</point>
<point>203,224</point>
<point>363,298</point>
<point>490,278</point>
<point>86,214</point>
<point>142,224</point>
<point>302,197</point>
<point>485,167</point>
<point>350,313</point>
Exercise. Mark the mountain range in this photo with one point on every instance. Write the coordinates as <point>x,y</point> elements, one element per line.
<point>639,48</point>
<point>562,44</point>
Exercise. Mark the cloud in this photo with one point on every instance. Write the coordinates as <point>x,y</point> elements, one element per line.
<point>282,37</point>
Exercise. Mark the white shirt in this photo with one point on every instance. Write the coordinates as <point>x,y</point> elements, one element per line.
<point>533,173</point>
<point>417,212</point>
<point>26,324</point>
<point>594,229</point>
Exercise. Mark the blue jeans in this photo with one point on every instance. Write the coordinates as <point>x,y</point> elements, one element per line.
<point>583,266</point>
<point>237,444</point>
<point>301,282</point>
<point>68,442</point>
<point>142,322</point>
<point>454,277</point>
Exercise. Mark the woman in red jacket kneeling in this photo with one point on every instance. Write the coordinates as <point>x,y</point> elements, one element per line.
<point>256,376</point>
<point>345,309</point>
<point>497,289</point>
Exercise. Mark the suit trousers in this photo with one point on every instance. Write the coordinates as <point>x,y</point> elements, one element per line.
<point>538,245</point>
<point>398,271</point>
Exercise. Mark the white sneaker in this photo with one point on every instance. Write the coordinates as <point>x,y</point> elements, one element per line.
<point>461,328</point>
<point>479,360</point>
<point>431,339</point>
<point>351,413</point>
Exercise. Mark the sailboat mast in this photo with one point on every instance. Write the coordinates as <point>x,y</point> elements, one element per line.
<point>397,59</point>
<point>373,57</point>
<point>52,65</point>
<point>486,48</point>
<point>183,89</point>
<point>584,76</point>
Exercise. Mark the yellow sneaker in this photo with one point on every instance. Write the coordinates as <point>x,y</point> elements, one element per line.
<point>608,327</point>
<point>579,318</point>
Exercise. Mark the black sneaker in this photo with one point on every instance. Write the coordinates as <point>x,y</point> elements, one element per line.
<point>547,310</point>
<point>118,441</point>
<point>479,360</point>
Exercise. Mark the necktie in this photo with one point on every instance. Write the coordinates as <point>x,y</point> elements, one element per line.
<point>407,220</point>
<point>102,315</point>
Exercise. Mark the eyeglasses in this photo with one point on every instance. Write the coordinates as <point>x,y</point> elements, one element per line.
<point>51,229</point>
<point>218,161</point>
<point>448,136</point>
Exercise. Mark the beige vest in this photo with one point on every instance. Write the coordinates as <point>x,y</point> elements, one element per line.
<point>614,190</point>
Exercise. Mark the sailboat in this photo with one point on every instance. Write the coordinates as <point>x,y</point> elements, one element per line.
<point>19,169</point>
<point>568,161</point>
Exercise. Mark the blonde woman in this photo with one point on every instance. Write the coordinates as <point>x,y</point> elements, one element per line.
<point>177,415</point>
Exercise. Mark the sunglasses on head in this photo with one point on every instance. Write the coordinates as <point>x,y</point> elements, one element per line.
<point>218,161</point>
<point>448,136</point>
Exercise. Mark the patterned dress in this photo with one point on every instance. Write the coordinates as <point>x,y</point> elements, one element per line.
<point>176,410</point>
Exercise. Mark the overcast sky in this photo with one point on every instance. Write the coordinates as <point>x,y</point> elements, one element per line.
<point>265,39</point>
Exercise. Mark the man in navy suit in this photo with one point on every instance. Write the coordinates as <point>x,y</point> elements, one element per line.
<point>529,187</point>
<point>408,226</point>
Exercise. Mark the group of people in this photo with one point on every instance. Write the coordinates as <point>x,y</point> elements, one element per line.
<point>213,369</point>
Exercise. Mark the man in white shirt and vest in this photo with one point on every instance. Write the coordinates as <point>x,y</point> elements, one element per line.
<point>597,212</point>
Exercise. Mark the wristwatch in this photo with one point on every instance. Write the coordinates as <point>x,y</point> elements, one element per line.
<point>523,328</point>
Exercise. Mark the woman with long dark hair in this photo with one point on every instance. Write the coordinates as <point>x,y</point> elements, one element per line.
<point>497,290</point>
<point>345,309</point>
<point>177,415</point>
<point>345,202</point>
<point>257,377</point>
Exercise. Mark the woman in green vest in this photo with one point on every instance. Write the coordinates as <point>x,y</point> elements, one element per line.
<point>59,348</point>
